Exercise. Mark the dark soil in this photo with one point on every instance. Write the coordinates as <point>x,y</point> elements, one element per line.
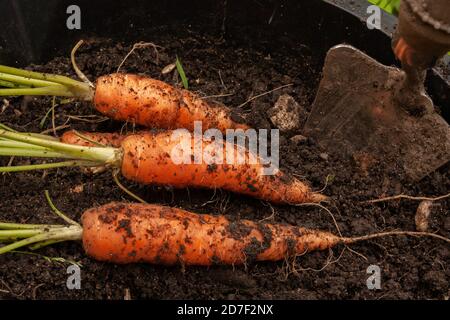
<point>411,268</point>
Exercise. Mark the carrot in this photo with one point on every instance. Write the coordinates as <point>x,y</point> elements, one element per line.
<point>154,158</point>
<point>127,97</point>
<point>128,233</point>
<point>92,139</point>
<point>153,103</point>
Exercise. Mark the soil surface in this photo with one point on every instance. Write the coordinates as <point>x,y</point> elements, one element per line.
<point>231,72</point>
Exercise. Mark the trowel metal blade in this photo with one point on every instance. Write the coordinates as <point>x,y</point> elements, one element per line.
<point>355,114</point>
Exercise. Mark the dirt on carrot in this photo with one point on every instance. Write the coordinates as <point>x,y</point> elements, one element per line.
<point>155,104</point>
<point>412,268</point>
<point>169,157</point>
<point>164,235</point>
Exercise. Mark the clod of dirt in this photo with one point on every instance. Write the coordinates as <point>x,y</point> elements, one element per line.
<point>170,67</point>
<point>298,139</point>
<point>323,156</point>
<point>287,114</point>
<point>422,215</point>
<point>77,189</point>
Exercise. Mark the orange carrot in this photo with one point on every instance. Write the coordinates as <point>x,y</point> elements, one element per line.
<point>155,104</point>
<point>167,158</point>
<point>126,97</point>
<point>127,233</point>
<point>147,158</point>
<point>92,139</point>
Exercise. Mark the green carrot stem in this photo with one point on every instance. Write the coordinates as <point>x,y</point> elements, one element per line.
<point>60,234</point>
<point>103,155</point>
<point>8,84</point>
<point>125,189</point>
<point>20,145</point>
<point>18,234</point>
<point>51,110</point>
<point>45,166</point>
<point>42,91</point>
<point>14,226</point>
<point>42,244</point>
<point>43,136</point>
<point>58,212</point>
<point>36,135</point>
<point>27,81</point>
<point>36,153</point>
<point>80,74</point>
<point>80,86</point>
<point>5,127</point>
<point>82,136</point>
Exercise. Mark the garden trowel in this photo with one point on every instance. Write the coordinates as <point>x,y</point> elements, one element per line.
<point>358,112</point>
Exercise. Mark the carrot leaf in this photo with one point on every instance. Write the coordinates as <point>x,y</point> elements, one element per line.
<point>182,74</point>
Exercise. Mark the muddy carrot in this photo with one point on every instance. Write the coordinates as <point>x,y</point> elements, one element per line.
<point>127,97</point>
<point>153,103</point>
<point>127,233</point>
<point>166,158</point>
